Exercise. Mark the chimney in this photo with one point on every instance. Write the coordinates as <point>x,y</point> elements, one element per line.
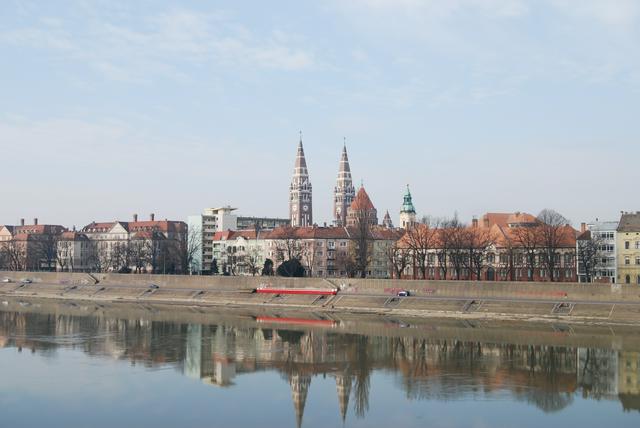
<point>474,222</point>
<point>583,227</point>
<point>152,217</point>
<point>135,218</point>
<point>35,221</point>
<point>21,222</point>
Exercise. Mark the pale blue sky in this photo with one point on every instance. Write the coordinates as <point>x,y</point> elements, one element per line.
<point>113,107</point>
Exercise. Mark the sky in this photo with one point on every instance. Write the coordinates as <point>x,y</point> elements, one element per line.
<point>109,108</point>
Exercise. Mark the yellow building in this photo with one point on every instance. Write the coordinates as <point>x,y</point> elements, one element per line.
<point>628,249</point>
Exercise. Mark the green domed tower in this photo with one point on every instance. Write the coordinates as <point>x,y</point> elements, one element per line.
<point>408,212</point>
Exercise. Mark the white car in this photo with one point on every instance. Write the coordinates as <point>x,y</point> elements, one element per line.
<point>6,280</point>
<point>26,281</point>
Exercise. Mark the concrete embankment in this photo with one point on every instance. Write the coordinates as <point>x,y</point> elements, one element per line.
<point>570,302</point>
<point>530,333</point>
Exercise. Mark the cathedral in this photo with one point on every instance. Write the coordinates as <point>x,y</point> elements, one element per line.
<point>348,207</point>
<point>301,194</point>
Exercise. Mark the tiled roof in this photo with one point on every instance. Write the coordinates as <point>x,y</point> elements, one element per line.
<point>362,201</point>
<point>629,222</point>
<point>137,226</point>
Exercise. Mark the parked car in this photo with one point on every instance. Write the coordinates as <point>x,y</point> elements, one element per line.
<point>26,281</point>
<point>6,280</point>
<point>404,293</point>
<point>154,286</point>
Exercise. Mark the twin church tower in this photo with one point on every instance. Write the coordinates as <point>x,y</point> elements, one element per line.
<point>300,192</point>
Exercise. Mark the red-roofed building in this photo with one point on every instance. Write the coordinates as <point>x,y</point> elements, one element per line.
<point>362,209</point>
<point>498,247</point>
<point>29,246</point>
<point>151,246</point>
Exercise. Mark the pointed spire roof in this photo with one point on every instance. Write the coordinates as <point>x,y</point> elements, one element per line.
<point>343,386</point>
<point>386,222</point>
<point>299,390</point>
<point>301,162</point>
<point>362,201</point>
<point>407,206</point>
<point>344,161</point>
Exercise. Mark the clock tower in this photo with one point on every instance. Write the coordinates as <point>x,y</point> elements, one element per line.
<point>300,192</point>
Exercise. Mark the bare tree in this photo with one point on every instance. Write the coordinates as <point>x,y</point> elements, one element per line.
<point>15,255</point>
<point>458,238</point>
<point>398,258</point>
<point>119,256</point>
<point>252,261</point>
<point>553,233</point>
<point>190,250</point>
<point>309,256</point>
<point>480,242</point>
<point>589,254</point>
<point>289,247</point>
<point>140,254</point>
<point>421,239</point>
<point>445,240</point>
<point>527,238</point>
<point>362,242</point>
<point>64,254</point>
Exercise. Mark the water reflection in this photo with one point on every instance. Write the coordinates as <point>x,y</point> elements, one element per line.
<point>548,377</point>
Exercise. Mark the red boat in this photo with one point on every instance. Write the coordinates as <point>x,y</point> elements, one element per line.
<point>311,291</point>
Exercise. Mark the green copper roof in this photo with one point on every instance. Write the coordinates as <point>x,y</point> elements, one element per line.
<point>407,206</point>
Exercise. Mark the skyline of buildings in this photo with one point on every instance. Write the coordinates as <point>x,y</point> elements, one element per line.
<point>498,247</point>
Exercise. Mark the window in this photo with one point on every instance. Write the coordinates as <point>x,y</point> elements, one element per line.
<point>638,280</point>
<point>638,260</point>
<point>626,260</point>
<point>567,273</point>
<point>637,245</point>
<point>627,279</point>
<point>626,245</point>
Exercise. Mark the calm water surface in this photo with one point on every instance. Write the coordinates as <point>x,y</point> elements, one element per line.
<point>64,369</point>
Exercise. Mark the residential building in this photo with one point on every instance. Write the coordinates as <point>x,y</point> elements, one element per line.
<point>204,227</point>
<point>329,251</point>
<point>628,248</point>
<point>74,252</point>
<point>301,193</point>
<point>239,252</point>
<point>151,246</point>
<point>29,246</point>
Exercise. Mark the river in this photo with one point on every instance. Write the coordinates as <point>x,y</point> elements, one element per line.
<point>87,365</point>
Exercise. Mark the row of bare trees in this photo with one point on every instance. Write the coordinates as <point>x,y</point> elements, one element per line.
<point>453,248</point>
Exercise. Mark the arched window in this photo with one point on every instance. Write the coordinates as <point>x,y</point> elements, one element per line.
<point>627,279</point>
<point>638,280</point>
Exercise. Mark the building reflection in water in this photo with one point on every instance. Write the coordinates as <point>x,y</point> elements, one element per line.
<point>426,369</point>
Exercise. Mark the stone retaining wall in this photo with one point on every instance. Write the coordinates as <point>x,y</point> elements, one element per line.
<point>470,289</point>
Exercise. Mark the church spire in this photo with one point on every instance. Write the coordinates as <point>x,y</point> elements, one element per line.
<point>300,192</point>
<point>299,390</point>
<point>344,192</point>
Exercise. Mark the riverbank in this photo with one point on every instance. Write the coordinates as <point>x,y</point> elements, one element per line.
<point>534,302</point>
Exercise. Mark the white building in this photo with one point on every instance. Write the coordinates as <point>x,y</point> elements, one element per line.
<point>202,229</point>
<point>606,270</point>
<point>212,225</point>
